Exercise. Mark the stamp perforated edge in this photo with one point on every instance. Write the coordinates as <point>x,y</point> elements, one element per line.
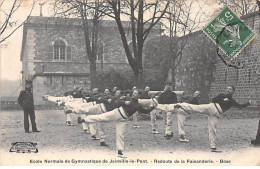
<point>236,55</point>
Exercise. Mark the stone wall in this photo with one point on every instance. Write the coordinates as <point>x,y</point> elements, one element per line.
<point>201,68</point>
<point>245,80</point>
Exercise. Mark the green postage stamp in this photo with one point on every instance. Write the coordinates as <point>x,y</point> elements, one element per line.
<point>229,33</point>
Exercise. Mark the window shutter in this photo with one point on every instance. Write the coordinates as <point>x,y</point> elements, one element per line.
<point>69,53</point>
<point>50,52</point>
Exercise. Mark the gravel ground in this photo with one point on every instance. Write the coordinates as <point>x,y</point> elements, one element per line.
<point>56,141</point>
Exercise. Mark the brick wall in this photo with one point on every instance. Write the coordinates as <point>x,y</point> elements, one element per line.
<point>246,80</point>
<point>201,68</point>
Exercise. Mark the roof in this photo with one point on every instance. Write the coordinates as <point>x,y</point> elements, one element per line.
<point>40,22</point>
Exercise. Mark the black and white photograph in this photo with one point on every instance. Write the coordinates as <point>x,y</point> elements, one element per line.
<point>130,83</point>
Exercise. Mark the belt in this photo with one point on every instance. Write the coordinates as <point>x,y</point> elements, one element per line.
<point>103,108</point>
<point>121,113</point>
<point>154,102</point>
<point>220,112</point>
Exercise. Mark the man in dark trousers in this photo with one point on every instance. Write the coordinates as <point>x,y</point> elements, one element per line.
<point>256,142</point>
<point>168,97</point>
<point>25,99</point>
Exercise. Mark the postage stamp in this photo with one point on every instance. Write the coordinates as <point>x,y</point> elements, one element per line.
<point>229,33</point>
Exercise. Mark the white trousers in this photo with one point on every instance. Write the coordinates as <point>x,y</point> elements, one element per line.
<point>91,110</point>
<point>68,117</point>
<point>85,126</point>
<point>111,116</point>
<point>95,128</point>
<point>212,110</point>
<point>181,118</point>
<point>153,115</point>
<point>135,118</point>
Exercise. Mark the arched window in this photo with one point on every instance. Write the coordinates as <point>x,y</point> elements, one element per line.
<point>59,50</point>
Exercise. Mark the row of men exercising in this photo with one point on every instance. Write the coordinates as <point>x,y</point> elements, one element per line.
<point>167,97</point>
<point>169,103</point>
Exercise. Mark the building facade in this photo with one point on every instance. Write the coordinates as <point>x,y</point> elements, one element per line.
<point>54,54</point>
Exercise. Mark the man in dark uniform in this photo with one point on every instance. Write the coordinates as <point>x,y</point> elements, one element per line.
<point>125,107</point>
<point>114,90</point>
<point>220,104</point>
<point>168,97</point>
<point>256,142</point>
<point>25,99</point>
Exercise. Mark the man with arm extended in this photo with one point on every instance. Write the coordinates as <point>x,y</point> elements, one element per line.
<point>220,104</point>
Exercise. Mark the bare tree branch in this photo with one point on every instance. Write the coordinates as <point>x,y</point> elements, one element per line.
<point>7,21</point>
<point>147,31</point>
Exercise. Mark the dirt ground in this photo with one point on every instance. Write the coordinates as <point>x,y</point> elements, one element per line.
<point>56,141</point>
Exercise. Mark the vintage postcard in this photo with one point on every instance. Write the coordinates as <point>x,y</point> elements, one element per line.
<point>129,83</point>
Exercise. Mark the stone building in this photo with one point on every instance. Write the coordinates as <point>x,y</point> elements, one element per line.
<point>53,54</point>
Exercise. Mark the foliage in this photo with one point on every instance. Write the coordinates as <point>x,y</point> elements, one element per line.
<point>157,62</point>
<point>240,7</point>
<point>109,79</point>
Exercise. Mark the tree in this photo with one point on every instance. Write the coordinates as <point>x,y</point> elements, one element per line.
<point>143,16</point>
<point>90,15</point>
<point>8,25</point>
<point>156,55</point>
<point>198,65</point>
<point>241,7</point>
<point>179,22</point>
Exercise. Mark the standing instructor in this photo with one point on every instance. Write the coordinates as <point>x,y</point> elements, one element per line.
<point>25,100</point>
